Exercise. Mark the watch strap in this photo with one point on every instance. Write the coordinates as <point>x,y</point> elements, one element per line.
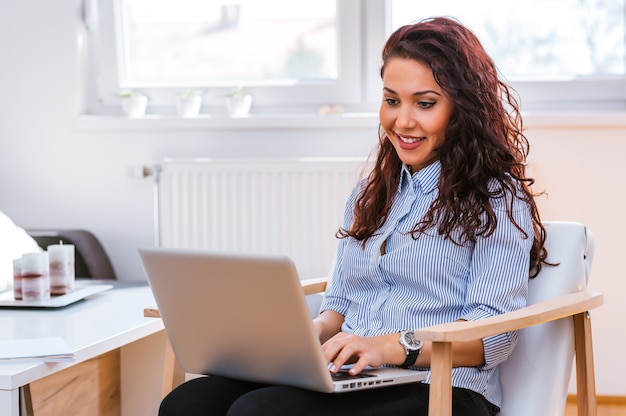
<point>411,357</point>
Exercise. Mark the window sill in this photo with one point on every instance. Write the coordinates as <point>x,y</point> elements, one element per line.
<point>206,122</point>
<point>313,121</point>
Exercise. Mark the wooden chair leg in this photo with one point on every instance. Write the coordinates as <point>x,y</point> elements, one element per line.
<point>440,393</point>
<point>585,374</point>
<point>173,375</point>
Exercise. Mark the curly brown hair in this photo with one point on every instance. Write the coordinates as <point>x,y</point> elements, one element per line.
<point>484,143</point>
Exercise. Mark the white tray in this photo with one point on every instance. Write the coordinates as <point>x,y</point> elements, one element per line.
<point>80,292</point>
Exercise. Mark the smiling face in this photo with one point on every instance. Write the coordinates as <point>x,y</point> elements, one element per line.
<point>414,112</point>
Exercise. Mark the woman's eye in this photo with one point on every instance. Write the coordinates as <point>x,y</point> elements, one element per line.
<point>426,104</point>
<point>391,101</point>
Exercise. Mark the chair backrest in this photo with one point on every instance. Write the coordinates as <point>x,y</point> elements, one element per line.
<point>91,259</point>
<point>535,379</point>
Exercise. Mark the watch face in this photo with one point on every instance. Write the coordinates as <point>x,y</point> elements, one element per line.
<point>410,341</point>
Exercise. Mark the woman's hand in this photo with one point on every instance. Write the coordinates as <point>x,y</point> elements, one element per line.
<point>362,351</point>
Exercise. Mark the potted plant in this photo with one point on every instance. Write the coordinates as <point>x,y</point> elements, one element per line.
<point>238,102</point>
<point>134,102</point>
<point>188,103</point>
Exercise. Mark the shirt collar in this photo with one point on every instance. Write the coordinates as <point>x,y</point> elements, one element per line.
<point>427,178</point>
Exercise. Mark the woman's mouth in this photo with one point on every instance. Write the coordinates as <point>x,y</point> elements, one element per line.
<point>410,139</point>
<point>409,142</point>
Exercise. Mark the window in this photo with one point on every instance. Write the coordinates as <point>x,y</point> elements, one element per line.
<point>251,42</point>
<point>555,52</point>
<point>297,56</point>
<point>283,52</point>
<point>528,43</point>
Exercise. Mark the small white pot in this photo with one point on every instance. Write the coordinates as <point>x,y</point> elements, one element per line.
<point>238,106</point>
<point>188,106</point>
<point>134,106</point>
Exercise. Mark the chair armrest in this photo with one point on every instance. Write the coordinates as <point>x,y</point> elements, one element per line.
<point>151,313</point>
<point>548,310</point>
<point>316,285</point>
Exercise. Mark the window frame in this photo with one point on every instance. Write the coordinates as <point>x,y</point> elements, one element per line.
<point>362,33</point>
<point>345,90</point>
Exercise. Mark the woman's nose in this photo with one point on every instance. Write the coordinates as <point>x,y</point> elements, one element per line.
<point>406,117</point>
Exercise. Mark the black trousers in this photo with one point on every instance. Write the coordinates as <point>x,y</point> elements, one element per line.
<point>222,396</point>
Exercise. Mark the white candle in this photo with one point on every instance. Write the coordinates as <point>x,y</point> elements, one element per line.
<point>62,270</point>
<point>35,276</point>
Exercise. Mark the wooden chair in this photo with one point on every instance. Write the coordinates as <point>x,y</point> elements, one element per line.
<point>554,327</point>
<point>173,375</point>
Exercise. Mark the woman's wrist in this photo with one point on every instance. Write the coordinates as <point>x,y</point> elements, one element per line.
<point>394,352</point>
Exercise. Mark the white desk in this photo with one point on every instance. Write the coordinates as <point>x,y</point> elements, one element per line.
<point>91,327</point>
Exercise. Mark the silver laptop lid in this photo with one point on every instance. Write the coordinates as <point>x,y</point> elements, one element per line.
<point>241,316</point>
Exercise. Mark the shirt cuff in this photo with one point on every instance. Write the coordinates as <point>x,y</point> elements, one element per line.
<point>335,304</point>
<point>497,348</point>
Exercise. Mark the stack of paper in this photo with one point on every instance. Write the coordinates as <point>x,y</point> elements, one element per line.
<point>35,349</point>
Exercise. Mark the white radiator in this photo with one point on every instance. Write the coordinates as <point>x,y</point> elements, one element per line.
<point>278,206</point>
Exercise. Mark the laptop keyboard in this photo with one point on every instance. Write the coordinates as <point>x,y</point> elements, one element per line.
<point>344,375</point>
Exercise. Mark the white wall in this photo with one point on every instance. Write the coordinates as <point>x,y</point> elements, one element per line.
<point>55,172</point>
<point>581,169</point>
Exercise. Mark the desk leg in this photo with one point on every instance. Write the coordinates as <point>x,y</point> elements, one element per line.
<point>173,375</point>
<point>10,402</point>
<point>26,401</point>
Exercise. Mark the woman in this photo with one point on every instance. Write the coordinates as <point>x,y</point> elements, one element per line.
<point>444,228</point>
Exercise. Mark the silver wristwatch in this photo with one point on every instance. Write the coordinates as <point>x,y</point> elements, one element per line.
<point>413,347</point>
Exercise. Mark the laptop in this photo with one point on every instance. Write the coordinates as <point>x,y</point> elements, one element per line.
<point>246,317</point>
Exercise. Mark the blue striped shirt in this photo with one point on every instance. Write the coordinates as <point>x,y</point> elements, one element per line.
<point>430,280</point>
